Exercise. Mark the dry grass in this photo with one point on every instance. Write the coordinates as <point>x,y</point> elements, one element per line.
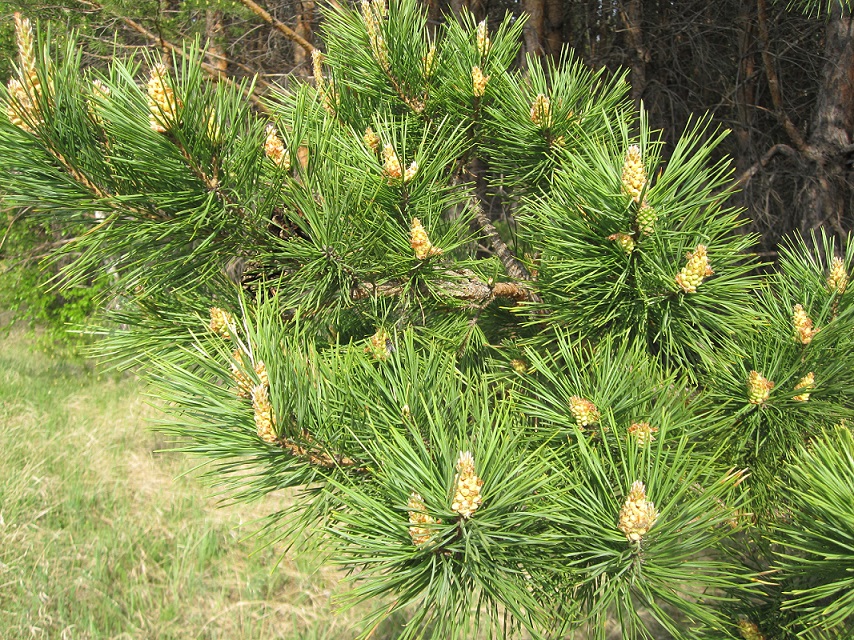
<point>101,536</point>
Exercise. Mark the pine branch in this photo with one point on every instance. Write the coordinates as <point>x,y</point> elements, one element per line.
<point>99,192</point>
<point>515,269</point>
<point>212,181</point>
<point>460,456</point>
<point>472,289</point>
<point>416,104</point>
<point>317,456</point>
<point>78,175</point>
<point>379,52</point>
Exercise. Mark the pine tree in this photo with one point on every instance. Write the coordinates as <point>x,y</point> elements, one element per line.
<point>514,355</point>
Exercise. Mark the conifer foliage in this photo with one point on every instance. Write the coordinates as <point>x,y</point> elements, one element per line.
<point>510,351</point>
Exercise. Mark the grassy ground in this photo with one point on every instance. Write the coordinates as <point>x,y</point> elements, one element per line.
<point>100,538</point>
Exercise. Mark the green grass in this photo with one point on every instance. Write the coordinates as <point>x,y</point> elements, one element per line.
<point>101,537</point>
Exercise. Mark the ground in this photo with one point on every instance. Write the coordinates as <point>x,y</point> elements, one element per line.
<point>101,536</point>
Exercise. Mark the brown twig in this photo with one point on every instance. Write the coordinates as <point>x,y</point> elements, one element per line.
<point>37,254</point>
<point>210,182</point>
<point>20,215</point>
<point>97,191</point>
<point>317,456</point>
<point>515,269</point>
<point>376,626</point>
<point>208,68</point>
<point>774,80</point>
<point>281,27</point>
<point>416,104</point>
<point>461,285</point>
<point>249,70</point>
<point>748,174</point>
<point>77,175</point>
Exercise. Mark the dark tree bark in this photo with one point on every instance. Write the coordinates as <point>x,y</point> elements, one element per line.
<point>478,8</point>
<point>434,14</point>
<point>828,196</point>
<point>631,13</point>
<point>535,27</point>
<point>745,89</point>
<point>554,11</point>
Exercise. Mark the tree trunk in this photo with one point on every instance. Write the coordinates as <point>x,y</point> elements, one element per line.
<point>535,28</point>
<point>214,34</point>
<point>554,27</point>
<point>305,19</point>
<point>828,196</point>
<point>478,8</point>
<point>631,13</point>
<point>579,30</point>
<point>434,15</point>
<point>745,89</point>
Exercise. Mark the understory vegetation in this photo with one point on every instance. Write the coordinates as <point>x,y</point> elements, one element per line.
<point>102,535</point>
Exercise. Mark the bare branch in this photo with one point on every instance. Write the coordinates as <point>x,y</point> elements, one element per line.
<point>747,175</point>
<point>515,269</point>
<point>461,285</point>
<point>774,81</point>
<point>20,215</point>
<point>208,68</point>
<point>281,27</point>
<point>249,70</point>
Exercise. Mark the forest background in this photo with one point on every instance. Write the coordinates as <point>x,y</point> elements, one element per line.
<point>781,81</point>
